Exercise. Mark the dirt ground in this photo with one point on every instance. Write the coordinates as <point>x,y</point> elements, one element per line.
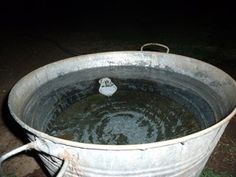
<point>25,49</point>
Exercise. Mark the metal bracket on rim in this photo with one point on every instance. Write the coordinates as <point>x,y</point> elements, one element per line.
<point>156,44</point>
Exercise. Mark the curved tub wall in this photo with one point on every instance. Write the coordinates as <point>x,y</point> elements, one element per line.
<point>184,156</point>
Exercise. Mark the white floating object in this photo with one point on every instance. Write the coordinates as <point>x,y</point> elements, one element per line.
<point>107,87</point>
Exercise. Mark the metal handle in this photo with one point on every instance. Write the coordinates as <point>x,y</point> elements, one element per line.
<point>63,169</point>
<point>26,147</point>
<point>156,44</point>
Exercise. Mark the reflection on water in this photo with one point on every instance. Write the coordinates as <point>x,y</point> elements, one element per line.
<point>130,116</point>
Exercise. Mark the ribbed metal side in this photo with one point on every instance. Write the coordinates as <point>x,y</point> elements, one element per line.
<point>187,169</point>
<point>52,165</point>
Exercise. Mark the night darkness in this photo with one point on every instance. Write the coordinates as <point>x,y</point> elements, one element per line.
<point>87,12</point>
<point>175,23</point>
<point>37,32</point>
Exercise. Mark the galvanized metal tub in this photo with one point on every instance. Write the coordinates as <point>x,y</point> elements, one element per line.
<point>184,156</point>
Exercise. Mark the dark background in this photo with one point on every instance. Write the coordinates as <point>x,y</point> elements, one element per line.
<point>26,12</point>
<point>175,23</point>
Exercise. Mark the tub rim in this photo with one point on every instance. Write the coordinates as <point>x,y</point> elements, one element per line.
<point>144,146</point>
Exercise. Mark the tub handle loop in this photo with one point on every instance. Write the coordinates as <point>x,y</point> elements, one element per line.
<point>26,147</point>
<point>63,168</point>
<point>14,152</point>
<point>156,44</point>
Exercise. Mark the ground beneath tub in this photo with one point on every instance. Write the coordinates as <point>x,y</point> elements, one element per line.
<point>25,49</point>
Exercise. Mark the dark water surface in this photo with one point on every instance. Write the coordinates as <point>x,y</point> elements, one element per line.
<point>133,115</point>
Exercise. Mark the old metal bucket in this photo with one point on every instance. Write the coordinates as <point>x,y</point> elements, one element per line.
<point>184,156</point>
